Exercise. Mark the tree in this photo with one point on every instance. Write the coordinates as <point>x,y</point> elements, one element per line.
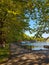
<point>15,15</point>
<point>12,20</point>
<point>42,17</point>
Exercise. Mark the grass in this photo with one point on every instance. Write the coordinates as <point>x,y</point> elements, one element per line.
<point>4,53</point>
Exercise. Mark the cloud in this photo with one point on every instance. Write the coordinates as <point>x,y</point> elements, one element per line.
<point>45,35</point>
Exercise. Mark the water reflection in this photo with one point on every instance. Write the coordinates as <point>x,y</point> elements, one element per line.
<point>36,46</point>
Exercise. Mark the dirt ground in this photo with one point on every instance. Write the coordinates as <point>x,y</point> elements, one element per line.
<point>23,57</point>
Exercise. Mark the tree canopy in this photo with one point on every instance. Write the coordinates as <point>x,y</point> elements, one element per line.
<point>15,15</point>
<point>12,19</point>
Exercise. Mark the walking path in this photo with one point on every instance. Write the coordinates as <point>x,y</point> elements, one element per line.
<point>22,56</point>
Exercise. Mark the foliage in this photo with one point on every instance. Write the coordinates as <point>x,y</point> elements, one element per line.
<point>15,15</point>
<point>41,17</point>
<point>13,19</point>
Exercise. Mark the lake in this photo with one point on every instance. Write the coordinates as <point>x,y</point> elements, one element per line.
<point>37,45</point>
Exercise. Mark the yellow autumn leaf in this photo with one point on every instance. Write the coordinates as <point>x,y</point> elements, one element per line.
<point>47,4</point>
<point>47,17</point>
<point>14,12</point>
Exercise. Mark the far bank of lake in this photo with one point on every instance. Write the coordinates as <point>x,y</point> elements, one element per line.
<point>36,45</point>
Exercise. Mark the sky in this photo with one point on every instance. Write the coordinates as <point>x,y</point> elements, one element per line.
<point>45,35</point>
<point>32,24</point>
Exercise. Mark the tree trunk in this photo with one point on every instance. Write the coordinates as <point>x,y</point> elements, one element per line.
<point>2,39</point>
<point>2,42</point>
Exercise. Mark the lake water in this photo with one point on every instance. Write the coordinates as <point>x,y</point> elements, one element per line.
<point>38,45</point>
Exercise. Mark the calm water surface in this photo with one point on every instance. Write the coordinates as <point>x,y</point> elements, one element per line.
<point>38,45</point>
